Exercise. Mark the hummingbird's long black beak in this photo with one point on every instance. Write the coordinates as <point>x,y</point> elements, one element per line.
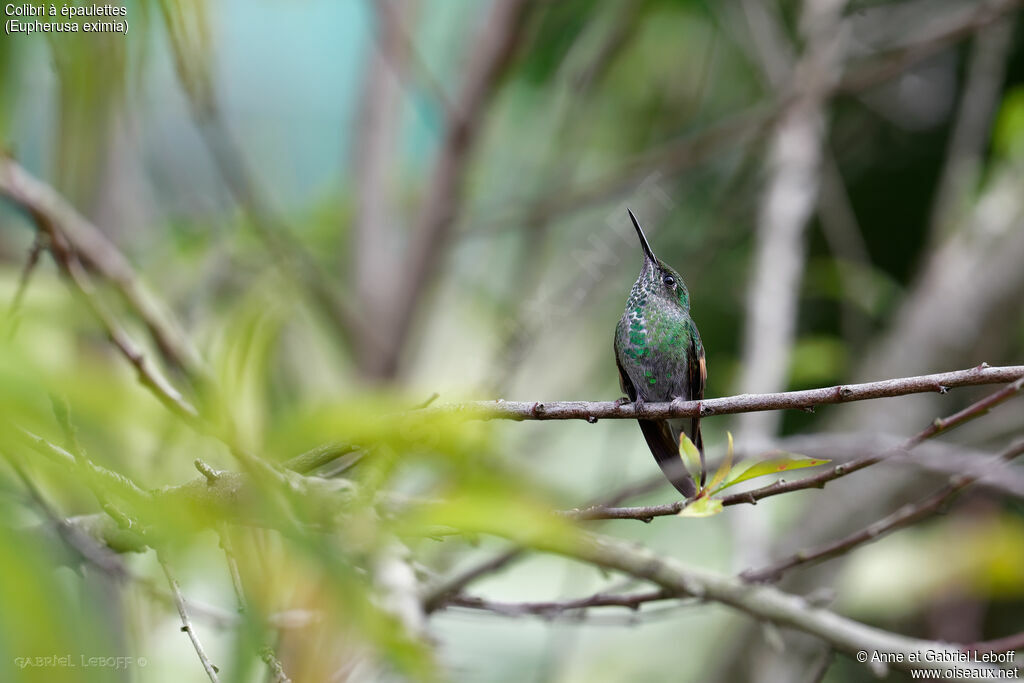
<point>648,254</point>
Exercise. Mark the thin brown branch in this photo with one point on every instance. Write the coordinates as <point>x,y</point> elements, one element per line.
<point>148,376</point>
<point>186,622</point>
<point>437,597</point>
<point>938,426</point>
<point>906,515</point>
<point>743,403</point>
<point>555,608</point>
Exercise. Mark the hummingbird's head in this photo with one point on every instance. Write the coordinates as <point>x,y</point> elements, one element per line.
<point>656,277</point>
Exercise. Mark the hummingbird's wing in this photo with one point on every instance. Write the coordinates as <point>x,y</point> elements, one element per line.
<point>698,374</point>
<point>624,382</point>
<point>663,446</point>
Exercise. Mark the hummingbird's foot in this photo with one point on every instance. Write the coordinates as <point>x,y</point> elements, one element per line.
<point>621,401</point>
<point>638,404</point>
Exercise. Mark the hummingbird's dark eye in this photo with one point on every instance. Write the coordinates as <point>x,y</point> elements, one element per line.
<point>669,280</point>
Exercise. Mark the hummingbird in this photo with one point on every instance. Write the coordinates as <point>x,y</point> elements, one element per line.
<point>660,358</point>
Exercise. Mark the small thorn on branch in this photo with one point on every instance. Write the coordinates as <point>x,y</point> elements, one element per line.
<point>942,389</point>
<point>591,419</point>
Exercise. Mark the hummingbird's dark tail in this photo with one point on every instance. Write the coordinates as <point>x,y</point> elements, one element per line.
<point>665,449</point>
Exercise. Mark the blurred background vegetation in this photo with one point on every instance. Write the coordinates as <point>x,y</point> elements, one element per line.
<point>348,207</point>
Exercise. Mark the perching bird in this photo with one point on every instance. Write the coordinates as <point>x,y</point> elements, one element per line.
<point>660,358</point>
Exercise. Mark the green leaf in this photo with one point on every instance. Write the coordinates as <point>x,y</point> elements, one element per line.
<point>783,462</point>
<point>689,453</point>
<point>702,507</point>
<point>724,468</point>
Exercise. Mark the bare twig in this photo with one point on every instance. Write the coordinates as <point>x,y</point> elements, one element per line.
<point>186,622</point>
<point>790,400</point>
<point>908,514</point>
<point>437,596</point>
<point>940,425</point>
<point>148,375</point>
<point>555,608</point>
